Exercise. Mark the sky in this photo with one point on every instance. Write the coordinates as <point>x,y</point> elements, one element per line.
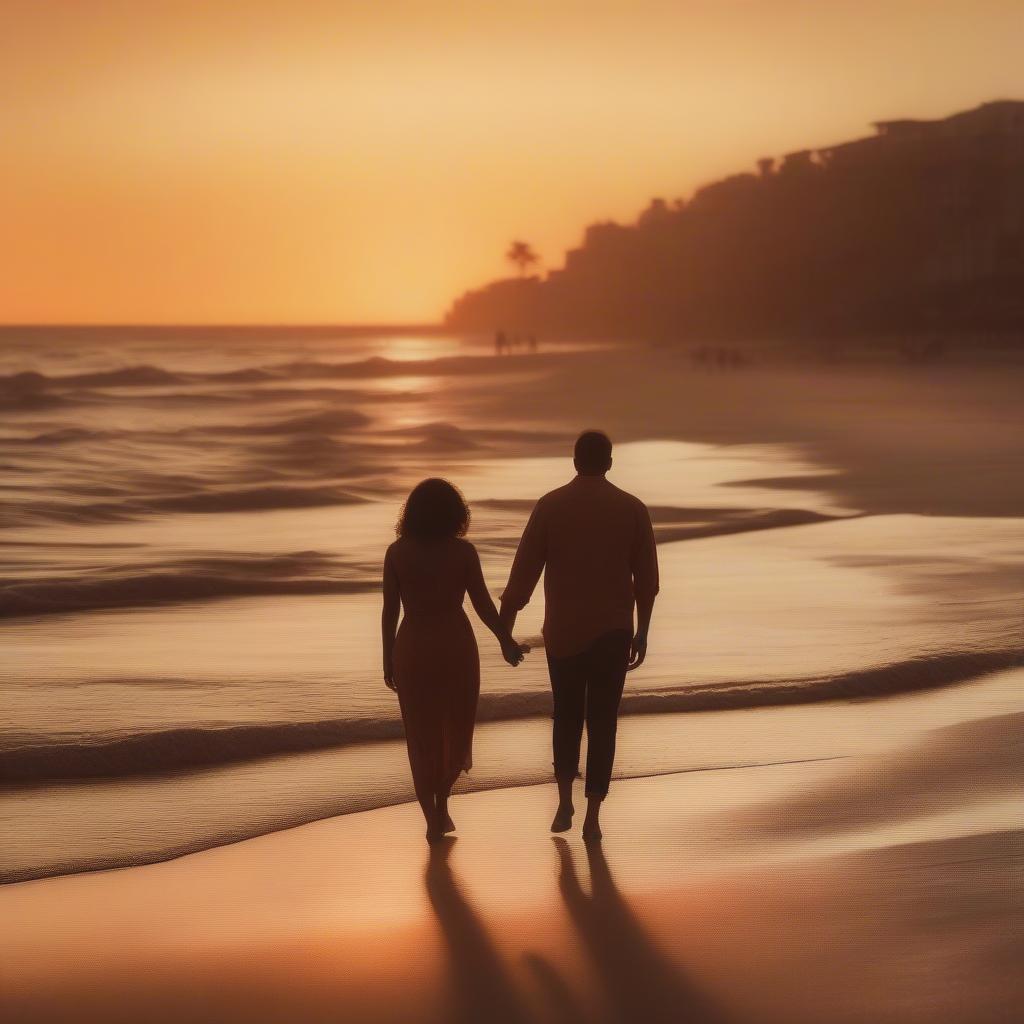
<point>365,161</point>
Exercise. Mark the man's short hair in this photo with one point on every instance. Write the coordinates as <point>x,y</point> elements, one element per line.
<point>593,452</point>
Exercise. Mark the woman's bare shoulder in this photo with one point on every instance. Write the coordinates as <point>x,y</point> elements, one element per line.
<point>465,551</point>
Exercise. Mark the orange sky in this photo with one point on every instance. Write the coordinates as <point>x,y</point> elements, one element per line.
<point>366,160</point>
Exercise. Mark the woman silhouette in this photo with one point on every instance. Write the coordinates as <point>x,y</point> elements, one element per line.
<point>433,662</point>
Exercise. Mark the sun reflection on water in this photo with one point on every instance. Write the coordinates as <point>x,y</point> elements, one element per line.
<point>410,348</point>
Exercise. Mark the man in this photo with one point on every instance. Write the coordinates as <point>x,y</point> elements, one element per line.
<point>595,544</point>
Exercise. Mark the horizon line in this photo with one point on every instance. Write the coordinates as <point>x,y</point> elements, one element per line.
<point>218,325</point>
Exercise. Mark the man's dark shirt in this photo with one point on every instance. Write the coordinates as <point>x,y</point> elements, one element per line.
<point>595,545</point>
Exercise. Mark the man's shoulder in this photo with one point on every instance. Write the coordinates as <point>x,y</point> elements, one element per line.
<point>570,501</point>
<point>567,500</point>
<point>555,497</point>
<point>626,498</point>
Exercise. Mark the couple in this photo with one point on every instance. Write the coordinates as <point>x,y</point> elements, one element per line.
<point>595,544</point>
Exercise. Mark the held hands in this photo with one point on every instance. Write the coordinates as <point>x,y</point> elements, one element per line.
<point>637,651</point>
<point>512,651</point>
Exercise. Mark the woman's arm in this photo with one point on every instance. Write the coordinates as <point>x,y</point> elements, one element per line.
<point>484,606</point>
<point>389,619</point>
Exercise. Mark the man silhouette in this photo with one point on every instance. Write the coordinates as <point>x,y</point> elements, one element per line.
<point>595,545</point>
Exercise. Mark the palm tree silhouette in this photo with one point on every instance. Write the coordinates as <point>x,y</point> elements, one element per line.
<point>522,255</point>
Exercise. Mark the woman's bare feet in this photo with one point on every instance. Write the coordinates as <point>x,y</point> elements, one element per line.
<point>443,818</point>
<point>430,817</point>
<point>563,818</point>
<point>592,822</point>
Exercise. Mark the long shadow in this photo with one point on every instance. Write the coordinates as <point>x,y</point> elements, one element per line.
<point>639,982</point>
<point>482,990</point>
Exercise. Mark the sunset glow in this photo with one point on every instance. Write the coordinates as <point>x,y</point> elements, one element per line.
<point>357,162</point>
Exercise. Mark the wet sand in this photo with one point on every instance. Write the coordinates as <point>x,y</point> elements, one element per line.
<point>944,439</point>
<point>879,883</point>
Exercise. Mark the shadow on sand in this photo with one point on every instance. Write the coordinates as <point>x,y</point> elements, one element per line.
<point>481,987</point>
<point>638,983</point>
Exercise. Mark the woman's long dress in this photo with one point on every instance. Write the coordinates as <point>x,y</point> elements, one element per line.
<point>436,662</point>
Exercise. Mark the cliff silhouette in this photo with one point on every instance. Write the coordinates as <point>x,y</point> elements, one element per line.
<point>918,227</point>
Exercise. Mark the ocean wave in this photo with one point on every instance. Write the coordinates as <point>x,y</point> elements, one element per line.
<point>30,401</point>
<point>257,498</point>
<point>329,421</point>
<point>179,749</point>
<point>317,453</point>
<point>63,435</point>
<point>127,376</point>
<point>675,523</point>
<point>743,521</point>
<point>438,437</point>
<point>248,375</point>
<point>252,499</point>
<point>380,366</point>
<point>324,422</point>
<point>147,375</point>
<point>246,396</point>
<point>197,579</point>
<point>441,436</point>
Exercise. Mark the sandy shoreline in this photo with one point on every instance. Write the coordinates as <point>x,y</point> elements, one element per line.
<point>109,823</point>
<point>877,886</point>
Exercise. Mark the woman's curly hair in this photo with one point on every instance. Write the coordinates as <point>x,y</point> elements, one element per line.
<point>434,510</point>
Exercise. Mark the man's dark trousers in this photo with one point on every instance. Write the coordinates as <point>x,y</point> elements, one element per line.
<point>587,687</point>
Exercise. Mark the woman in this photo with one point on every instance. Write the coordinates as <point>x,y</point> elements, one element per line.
<point>433,662</point>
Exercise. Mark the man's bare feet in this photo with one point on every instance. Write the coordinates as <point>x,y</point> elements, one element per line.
<point>563,818</point>
<point>592,822</point>
<point>592,832</point>
<point>447,825</point>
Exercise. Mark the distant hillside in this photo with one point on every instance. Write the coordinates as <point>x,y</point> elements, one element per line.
<point>919,226</point>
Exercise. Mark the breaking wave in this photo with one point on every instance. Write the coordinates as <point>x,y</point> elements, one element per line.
<point>185,748</point>
<point>196,579</point>
<point>146,375</point>
<point>243,499</point>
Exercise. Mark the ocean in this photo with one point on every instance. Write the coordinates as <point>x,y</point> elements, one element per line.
<point>192,525</point>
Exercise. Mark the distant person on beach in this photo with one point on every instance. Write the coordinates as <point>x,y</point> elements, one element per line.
<point>432,660</point>
<point>595,545</point>
<point>500,343</point>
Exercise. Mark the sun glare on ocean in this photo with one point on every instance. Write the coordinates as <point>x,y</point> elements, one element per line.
<point>407,348</point>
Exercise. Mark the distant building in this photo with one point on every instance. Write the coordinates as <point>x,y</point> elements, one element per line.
<point>905,128</point>
<point>1000,117</point>
<point>920,225</point>
<point>801,160</point>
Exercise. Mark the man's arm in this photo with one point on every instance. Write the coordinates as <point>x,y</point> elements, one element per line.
<point>645,586</point>
<point>508,615</point>
<point>526,568</point>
